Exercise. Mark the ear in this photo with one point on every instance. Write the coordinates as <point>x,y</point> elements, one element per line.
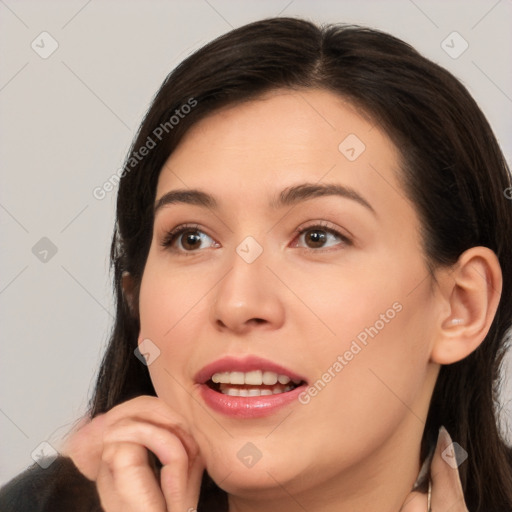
<point>130,294</point>
<point>470,294</point>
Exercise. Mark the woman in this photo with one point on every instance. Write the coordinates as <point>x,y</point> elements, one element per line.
<point>312,253</point>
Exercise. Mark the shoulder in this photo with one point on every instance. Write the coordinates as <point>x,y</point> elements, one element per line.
<point>59,487</point>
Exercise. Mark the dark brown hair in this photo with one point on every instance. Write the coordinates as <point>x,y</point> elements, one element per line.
<point>452,170</point>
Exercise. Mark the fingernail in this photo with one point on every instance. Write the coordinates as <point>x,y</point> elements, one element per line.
<point>444,436</point>
<point>444,441</point>
<point>452,453</point>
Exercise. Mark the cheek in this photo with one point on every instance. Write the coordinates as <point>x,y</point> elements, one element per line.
<point>365,391</point>
<point>376,362</point>
<point>344,307</point>
<point>171,314</point>
<point>169,298</point>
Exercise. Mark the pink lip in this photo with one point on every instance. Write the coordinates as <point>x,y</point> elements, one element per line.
<point>241,406</point>
<point>248,406</point>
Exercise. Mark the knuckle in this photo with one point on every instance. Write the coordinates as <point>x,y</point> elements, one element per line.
<point>119,456</point>
<point>109,454</point>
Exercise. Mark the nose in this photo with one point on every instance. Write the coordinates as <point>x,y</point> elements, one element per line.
<point>248,298</point>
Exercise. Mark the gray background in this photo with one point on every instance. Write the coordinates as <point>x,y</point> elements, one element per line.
<point>66,123</point>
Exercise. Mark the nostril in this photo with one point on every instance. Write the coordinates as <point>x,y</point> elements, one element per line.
<point>244,325</point>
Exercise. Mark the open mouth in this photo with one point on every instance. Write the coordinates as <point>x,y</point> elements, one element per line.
<point>252,384</point>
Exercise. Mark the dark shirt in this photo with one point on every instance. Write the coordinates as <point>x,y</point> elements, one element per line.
<point>62,488</point>
<point>59,488</point>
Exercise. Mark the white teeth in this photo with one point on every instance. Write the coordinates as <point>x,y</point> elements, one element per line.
<point>234,391</point>
<point>221,377</point>
<point>236,378</point>
<point>252,378</point>
<point>270,378</point>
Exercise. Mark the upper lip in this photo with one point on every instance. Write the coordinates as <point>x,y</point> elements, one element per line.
<point>245,364</point>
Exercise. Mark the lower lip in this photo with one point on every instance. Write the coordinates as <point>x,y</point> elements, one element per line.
<point>248,407</point>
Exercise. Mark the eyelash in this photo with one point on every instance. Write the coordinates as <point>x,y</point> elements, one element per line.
<point>174,234</point>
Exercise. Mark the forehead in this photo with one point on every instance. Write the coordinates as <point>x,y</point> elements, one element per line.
<point>283,138</point>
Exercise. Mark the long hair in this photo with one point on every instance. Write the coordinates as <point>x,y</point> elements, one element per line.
<point>452,170</point>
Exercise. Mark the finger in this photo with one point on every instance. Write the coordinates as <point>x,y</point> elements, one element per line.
<point>165,444</point>
<point>85,446</point>
<point>447,493</point>
<point>154,410</point>
<point>126,483</point>
<point>181,484</point>
<point>180,476</point>
<point>415,502</point>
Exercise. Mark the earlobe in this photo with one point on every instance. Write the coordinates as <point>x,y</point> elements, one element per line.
<point>472,290</point>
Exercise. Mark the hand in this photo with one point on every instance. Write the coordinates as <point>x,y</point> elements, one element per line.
<point>447,494</point>
<point>112,449</point>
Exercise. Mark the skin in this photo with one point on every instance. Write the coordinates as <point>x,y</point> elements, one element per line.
<point>355,445</point>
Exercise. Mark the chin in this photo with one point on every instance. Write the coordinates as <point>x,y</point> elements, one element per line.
<point>253,484</point>
<point>241,476</point>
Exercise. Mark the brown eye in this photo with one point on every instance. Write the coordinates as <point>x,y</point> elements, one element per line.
<point>190,240</point>
<point>319,237</point>
<point>187,239</point>
<point>315,238</point>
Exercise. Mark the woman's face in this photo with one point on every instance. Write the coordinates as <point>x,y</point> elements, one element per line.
<point>300,249</point>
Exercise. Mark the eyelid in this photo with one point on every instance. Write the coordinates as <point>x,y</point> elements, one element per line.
<point>324,224</point>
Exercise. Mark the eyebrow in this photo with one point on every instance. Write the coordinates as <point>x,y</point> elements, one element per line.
<point>189,196</point>
<point>298,193</point>
<point>288,197</point>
